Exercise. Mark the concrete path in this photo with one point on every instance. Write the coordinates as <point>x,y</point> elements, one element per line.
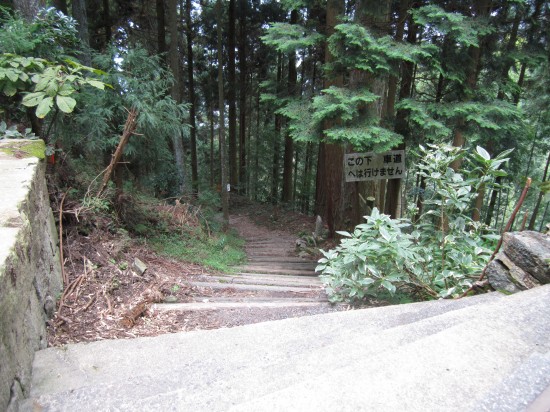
<point>485,353</point>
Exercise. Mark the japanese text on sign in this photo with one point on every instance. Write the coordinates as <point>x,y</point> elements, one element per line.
<point>373,166</point>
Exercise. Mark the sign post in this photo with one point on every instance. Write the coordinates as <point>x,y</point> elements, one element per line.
<point>374,166</point>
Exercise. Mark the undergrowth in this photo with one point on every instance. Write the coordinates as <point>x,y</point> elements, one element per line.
<point>183,228</point>
<point>219,252</point>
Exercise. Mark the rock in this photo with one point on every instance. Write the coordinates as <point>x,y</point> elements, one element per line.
<point>301,244</point>
<point>521,263</point>
<point>139,267</point>
<point>318,234</point>
<point>529,250</point>
<point>49,306</point>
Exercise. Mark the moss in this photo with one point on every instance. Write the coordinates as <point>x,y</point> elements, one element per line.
<point>24,148</point>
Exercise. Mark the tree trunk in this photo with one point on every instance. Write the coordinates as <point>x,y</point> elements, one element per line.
<point>231,98</point>
<point>106,24</point>
<point>61,5</point>
<point>162,48</point>
<point>375,17</point>
<point>482,8</point>
<point>393,191</point>
<point>276,141</point>
<point>330,173</point>
<point>29,8</point>
<point>192,98</point>
<point>289,143</point>
<point>173,58</point>
<point>223,155</point>
<point>80,15</point>
<point>243,4</point>
<point>307,178</point>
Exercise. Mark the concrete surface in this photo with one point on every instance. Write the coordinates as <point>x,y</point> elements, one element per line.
<point>434,356</point>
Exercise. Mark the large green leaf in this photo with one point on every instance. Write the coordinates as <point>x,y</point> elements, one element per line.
<point>44,107</point>
<point>33,99</point>
<point>65,103</point>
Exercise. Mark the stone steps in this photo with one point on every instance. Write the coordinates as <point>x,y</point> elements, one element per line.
<point>443,355</point>
<point>247,304</point>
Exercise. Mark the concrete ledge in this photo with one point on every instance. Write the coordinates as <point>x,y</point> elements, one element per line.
<point>30,271</point>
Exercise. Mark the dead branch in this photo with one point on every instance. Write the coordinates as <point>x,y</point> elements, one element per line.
<point>129,129</point>
<point>87,305</point>
<point>109,306</point>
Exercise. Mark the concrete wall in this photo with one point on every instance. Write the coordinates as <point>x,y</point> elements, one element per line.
<point>30,271</point>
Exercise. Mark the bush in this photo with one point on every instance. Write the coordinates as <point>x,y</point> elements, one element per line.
<point>435,255</point>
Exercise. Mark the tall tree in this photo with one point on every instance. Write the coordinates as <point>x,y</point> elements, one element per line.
<point>289,143</point>
<point>243,6</point>
<point>192,98</point>
<point>472,70</point>
<point>162,48</point>
<point>330,172</point>
<point>81,16</point>
<point>174,61</point>
<point>221,125</point>
<point>28,8</point>
<point>61,5</point>
<point>231,96</point>
<point>401,125</point>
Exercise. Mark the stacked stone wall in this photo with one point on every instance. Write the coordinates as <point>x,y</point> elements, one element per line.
<point>30,271</point>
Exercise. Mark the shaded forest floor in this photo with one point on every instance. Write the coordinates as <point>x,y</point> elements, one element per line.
<point>108,296</point>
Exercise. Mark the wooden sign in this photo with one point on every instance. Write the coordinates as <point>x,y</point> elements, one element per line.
<point>374,166</point>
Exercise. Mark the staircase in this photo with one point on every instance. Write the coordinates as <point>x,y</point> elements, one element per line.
<point>484,353</point>
<point>272,278</point>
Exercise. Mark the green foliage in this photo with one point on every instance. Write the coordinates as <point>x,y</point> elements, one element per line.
<point>341,103</point>
<point>378,254</point>
<point>458,26</point>
<point>140,81</point>
<point>288,38</point>
<point>12,132</point>
<point>437,254</point>
<point>355,47</point>
<point>218,252</point>
<point>51,35</point>
<point>56,84</point>
<point>436,119</point>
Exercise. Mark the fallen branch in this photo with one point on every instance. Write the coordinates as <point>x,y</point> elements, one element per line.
<point>87,305</point>
<point>129,129</point>
<point>147,298</point>
<point>109,306</point>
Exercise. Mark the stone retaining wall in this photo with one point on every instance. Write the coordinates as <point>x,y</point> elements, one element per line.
<point>30,271</point>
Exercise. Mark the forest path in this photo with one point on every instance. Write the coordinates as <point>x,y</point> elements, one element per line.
<point>274,283</point>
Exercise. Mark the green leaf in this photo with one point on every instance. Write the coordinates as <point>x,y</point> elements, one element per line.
<point>44,107</point>
<point>96,83</point>
<point>66,104</point>
<point>390,287</point>
<point>33,99</point>
<point>10,89</point>
<point>12,75</point>
<point>483,153</point>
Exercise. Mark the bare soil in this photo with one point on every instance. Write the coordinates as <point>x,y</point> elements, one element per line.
<point>107,297</point>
